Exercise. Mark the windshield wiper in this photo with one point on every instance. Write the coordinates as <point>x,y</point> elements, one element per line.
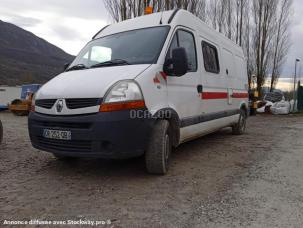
<point>77,67</point>
<point>114,62</point>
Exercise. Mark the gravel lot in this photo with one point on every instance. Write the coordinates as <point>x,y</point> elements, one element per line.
<point>221,180</point>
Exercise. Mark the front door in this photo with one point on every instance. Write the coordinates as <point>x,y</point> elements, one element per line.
<point>182,91</point>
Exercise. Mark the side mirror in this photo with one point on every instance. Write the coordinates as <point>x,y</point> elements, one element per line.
<point>178,64</point>
<point>65,66</point>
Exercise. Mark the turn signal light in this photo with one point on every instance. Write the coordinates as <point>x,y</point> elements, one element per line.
<point>117,106</point>
<point>32,108</point>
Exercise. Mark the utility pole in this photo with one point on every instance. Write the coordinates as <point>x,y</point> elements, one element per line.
<point>295,82</point>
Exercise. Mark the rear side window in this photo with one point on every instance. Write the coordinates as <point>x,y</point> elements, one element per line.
<point>211,59</point>
<point>186,40</point>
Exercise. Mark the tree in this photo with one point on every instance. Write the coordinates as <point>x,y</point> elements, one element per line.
<point>213,13</point>
<point>229,22</point>
<point>264,15</point>
<point>281,40</point>
<point>246,39</point>
<point>241,5</point>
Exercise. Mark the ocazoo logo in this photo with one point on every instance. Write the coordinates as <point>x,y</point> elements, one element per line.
<point>145,114</point>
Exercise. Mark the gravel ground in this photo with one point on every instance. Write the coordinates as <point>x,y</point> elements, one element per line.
<point>221,180</point>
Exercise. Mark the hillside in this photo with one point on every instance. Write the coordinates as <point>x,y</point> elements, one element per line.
<point>26,58</point>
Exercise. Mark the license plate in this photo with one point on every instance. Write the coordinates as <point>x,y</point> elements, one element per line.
<point>56,134</point>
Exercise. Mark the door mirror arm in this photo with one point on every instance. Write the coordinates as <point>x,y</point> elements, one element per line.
<point>167,69</point>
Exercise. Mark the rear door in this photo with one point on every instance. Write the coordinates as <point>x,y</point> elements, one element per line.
<point>215,91</point>
<point>230,72</point>
<point>182,91</point>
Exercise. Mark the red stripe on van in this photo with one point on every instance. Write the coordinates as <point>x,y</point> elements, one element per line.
<point>156,80</point>
<point>164,76</point>
<point>240,95</point>
<point>214,95</point>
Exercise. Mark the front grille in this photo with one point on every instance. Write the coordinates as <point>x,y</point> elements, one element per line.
<point>45,103</point>
<point>65,125</point>
<point>64,145</point>
<point>75,103</point>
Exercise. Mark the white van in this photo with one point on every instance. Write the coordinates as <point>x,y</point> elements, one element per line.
<point>143,87</point>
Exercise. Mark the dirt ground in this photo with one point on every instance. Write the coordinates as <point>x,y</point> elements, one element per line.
<point>221,180</point>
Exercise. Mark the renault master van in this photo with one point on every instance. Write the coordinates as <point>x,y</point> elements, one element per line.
<point>143,87</point>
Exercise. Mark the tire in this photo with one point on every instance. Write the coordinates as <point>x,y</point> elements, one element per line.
<point>1,132</point>
<point>240,127</point>
<point>159,149</point>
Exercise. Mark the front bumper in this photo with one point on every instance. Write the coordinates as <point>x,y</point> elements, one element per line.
<point>104,135</point>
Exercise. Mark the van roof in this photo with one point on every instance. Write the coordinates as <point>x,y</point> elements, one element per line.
<point>171,17</point>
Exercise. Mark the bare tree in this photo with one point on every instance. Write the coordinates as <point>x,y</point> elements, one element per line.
<point>218,14</point>
<point>113,7</point>
<point>247,41</point>
<point>222,11</point>
<point>198,7</point>
<point>229,16</point>
<point>242,3</point>
<point>240,19</point>
<point>213,13</point>
<point>281,40</point>
<point>264,15</point>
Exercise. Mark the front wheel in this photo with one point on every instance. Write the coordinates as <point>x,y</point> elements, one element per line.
<point>159,149</point>
<point>240,127</point>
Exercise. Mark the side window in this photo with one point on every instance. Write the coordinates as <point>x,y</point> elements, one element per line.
<point>173,45</point>
<point>186,40</point>
<point>211,59</point>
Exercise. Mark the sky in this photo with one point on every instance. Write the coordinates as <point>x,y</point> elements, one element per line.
<point>70,24</point>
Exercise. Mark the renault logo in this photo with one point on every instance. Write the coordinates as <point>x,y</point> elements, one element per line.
<point>59,105</point>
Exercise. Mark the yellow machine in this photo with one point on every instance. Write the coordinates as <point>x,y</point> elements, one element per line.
<point>22,107</point>
<point>253,101</point>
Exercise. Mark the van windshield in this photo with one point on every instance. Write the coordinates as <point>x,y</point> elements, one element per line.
<point>141,46</point>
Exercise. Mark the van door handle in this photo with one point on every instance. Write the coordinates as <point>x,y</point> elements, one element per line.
<point>200,88</point>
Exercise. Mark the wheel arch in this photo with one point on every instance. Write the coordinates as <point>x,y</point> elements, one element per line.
<point>172,117</point>
<point>243,106</point>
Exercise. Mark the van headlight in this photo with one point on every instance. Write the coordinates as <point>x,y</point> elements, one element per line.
<point>122,96</point>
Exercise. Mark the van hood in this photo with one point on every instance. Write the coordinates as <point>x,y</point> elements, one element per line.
<point>90,83</point>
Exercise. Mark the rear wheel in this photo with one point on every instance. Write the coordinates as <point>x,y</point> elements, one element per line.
<point>159,149</point>
<point>240,127</point>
